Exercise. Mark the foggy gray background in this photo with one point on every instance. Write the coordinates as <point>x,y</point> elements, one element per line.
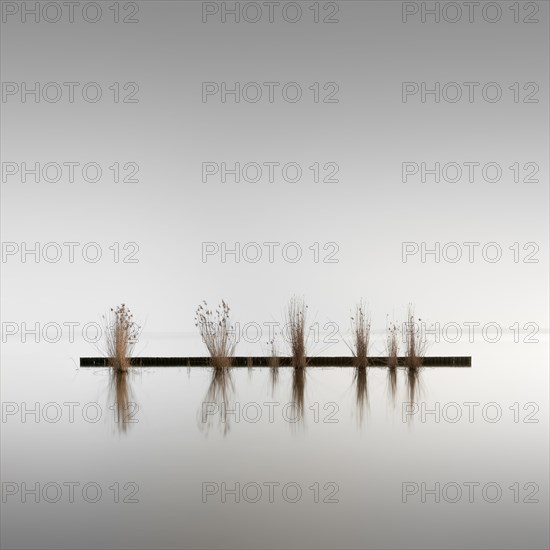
<point>170,212</point>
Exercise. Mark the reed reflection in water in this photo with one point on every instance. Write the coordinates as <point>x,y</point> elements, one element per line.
<point>413,382</point>
<point>120,394</point>
<point>219,392</point>
<point>392,383</point>
<point>361,391</point>
<point>298,390</point>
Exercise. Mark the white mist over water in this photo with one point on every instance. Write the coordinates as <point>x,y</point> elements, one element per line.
<point>173,449</point>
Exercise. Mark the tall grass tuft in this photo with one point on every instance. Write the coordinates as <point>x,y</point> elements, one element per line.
<point>414,341</point>
<point>121,335</point>
<point>274,355</point>
<point>296,321</point>
<point>416,346</point>
<point>360,329</point>
<point>217,333</point>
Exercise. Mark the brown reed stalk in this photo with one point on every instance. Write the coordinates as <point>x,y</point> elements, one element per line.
<point>217,333</point>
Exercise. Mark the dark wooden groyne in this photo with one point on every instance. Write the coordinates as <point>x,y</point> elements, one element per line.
<point>464,361</point>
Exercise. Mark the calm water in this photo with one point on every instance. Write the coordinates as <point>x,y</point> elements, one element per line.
<point>175,467</point>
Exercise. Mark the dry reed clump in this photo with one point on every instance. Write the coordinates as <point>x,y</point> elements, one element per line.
<point>392,344</point>
<point>392,352</point>
<point>296,322</point>
<point>121,335</point>
<point>217,333</point>
<point>415,343</point>
<point>360,328</point>
<point>274,356</point>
